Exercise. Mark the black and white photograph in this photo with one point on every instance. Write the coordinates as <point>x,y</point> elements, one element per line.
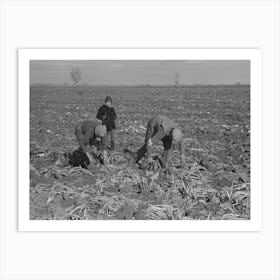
<point>140,140</point>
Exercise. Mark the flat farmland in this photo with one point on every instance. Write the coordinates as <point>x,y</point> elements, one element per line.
<point>214,183</point>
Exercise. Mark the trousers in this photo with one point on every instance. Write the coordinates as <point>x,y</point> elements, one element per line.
<point>110,134</point>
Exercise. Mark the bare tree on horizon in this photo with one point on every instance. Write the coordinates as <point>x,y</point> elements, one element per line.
<point>76,75</point>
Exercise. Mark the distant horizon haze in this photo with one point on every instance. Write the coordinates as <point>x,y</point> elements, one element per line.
<point>142,72</point>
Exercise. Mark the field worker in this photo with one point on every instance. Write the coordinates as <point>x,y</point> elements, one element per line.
<point>106,113</point>
<point>87,133</point>
<point>161,128</point>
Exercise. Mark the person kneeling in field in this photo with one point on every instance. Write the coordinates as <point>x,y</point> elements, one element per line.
<point>87,133</point>
<point>106,113</point>
<point>161,128</point>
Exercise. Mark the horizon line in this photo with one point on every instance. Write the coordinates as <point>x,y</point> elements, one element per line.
<point>139,85</point>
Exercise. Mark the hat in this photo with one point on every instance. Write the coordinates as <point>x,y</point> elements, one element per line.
<point>108,98</point>
<point>176,134</point>
<point>100,130</point>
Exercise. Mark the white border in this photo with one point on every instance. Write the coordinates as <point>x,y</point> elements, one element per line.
<point>254,55</point>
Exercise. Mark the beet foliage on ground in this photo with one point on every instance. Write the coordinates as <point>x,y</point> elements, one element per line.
<point>214,184</point>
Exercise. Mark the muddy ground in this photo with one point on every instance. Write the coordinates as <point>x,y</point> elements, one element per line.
<point>214,183</point>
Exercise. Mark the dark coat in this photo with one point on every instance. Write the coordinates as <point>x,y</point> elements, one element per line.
<point>108,117</point>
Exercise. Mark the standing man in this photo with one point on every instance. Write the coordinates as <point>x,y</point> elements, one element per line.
<point>106,113</point>
<point>161,128</point>
<point>87,133</point>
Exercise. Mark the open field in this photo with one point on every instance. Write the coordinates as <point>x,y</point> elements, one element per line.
<point>214,184</point>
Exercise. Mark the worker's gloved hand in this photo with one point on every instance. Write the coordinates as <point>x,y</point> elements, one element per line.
<point>100,157</point>
<point>150,143</point>
<point>89,157</point>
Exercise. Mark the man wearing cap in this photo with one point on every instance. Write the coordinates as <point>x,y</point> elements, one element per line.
<point>106,113</point>
<point>87,133</point>
<point>161,128</point>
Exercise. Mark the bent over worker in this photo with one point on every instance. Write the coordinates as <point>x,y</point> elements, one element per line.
<point>87,133</point>
<point>162,128</point>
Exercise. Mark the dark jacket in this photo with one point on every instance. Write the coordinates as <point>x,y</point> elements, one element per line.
<point>108,117</point>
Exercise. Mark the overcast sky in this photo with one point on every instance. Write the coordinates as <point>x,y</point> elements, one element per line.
<point>130,72</point>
